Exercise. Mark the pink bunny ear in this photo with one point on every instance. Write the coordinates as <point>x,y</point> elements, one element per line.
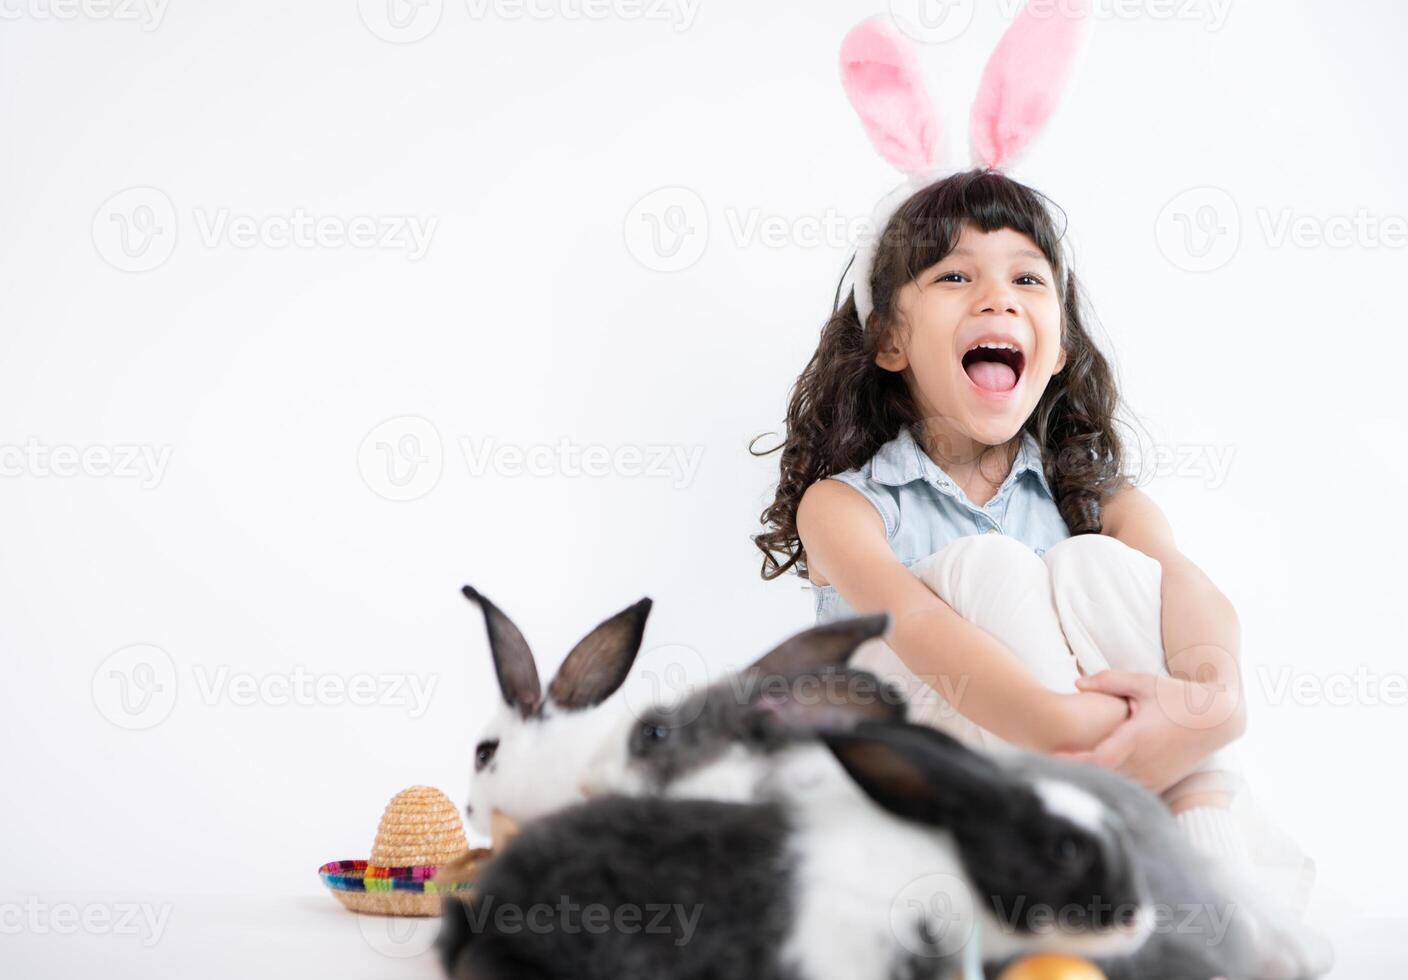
<point>1025,77</point>
<point>881,76</point>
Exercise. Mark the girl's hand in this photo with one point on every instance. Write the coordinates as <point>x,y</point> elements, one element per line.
<point>1173,726</point>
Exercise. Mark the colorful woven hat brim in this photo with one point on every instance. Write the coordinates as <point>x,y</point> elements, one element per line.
<point>420,834</point>
<point>359,876</point>
<point>363,887</point>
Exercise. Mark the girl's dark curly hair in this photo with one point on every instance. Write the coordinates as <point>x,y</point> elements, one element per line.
<point>844,406</point>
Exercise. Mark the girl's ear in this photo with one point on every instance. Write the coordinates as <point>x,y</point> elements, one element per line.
<point>889,354</point>
<point>1060,360</point>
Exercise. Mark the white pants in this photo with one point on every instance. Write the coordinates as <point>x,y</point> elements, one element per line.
<point>1090,603</point>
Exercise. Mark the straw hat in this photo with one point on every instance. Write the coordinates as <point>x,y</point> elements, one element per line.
<point>420,832</point>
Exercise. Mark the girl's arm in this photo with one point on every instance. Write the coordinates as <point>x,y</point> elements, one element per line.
<point>1201,634</point>
<point>844,539</point>
<point>1176,720</point>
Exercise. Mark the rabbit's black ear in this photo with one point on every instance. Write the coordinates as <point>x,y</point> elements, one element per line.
<point>828,645</point>
<point>513,661</point>
<point>830,699</point>
<point>598,665</point>
<point>923,774</point>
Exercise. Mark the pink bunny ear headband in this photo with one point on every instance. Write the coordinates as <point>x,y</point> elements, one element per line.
<point>1019,91</point>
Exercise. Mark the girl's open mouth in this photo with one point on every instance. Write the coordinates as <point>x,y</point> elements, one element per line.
<point>995,368</point>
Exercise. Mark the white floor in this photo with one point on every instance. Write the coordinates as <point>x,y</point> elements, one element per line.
<point>312,936</point>
<point>229,937</point>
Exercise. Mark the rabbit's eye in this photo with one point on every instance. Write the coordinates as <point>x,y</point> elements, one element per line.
<point>653,733</point>
<point>1070,852</point>
<point>484,753</point>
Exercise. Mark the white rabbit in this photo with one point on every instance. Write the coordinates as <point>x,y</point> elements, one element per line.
<point>530,758</point>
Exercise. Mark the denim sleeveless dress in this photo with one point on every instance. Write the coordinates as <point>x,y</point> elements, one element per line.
<point>924,509</point>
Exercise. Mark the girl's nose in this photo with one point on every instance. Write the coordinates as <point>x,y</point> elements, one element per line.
<point>1000,309</point>
<point>998,297</point>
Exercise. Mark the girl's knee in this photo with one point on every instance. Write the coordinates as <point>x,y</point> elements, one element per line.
<point>982,560</point>
<point>982,554</point>
<point>1109,599</point>
<point>1086,559</point>
<point>1082,547</point>
<point>992,548</point>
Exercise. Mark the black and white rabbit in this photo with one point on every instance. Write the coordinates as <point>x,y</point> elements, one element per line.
<point>753,738</point>
<point>929,777</point>
<point>529,759</point>
<point>767,890</point>
<point>818,883</point>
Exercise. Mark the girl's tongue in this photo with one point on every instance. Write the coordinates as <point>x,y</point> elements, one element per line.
<point>992,375</point>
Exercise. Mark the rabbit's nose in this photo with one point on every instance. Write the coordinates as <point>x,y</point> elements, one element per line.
<point>469,809</point>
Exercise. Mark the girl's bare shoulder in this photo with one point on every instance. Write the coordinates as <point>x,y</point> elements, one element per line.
<point>833,516</point>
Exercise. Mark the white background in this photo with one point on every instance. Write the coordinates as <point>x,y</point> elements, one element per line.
<point>533,140</point>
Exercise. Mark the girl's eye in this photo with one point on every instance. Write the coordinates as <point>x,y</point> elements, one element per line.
<point>484,754</point>
<point>1026,278</point>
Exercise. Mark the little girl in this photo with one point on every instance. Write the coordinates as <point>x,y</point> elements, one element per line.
<point>954,461</point>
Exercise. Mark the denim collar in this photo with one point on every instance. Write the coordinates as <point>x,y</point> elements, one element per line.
<point>902,460</point>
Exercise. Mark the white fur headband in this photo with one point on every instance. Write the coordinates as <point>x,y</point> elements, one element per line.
<point>1020,89</point>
